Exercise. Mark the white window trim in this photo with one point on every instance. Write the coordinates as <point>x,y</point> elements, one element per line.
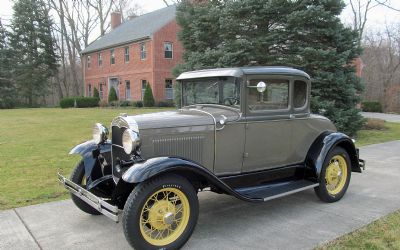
<point>172,50</point>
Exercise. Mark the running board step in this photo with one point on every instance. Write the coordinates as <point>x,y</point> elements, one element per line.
<point>273,191</point>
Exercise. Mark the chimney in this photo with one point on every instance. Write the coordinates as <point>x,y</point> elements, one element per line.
<point>115,19</point>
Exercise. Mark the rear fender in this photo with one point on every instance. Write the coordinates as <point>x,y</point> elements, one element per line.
<point>89,151</point>
<point>323,145</point>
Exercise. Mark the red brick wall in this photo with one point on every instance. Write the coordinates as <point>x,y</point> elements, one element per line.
<point>155,68</point>
<point>135,70</point>
<point>162,66</point>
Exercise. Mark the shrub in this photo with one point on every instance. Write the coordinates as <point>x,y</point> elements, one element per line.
<point>80,101</point>
<point>138,104</point>
<point>165,104</point>
<point>114,104</point>
<point>112,96</point>
<point>96,93</point>
<point>148,99</point>
<point>375,124</point>
<point>125,103</point>
<point>371,107</point>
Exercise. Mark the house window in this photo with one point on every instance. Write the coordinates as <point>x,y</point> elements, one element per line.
<point>101,91</point>
<point>168,50</point>
<point>144,84</point>
<point>143,51</point>
<point>169,90</point>
<point>88,62</point>
<point>112,57</point>
<point>100,59</point>
<point>89,90</point>
<point>127,90</point>
<point>126,54</point>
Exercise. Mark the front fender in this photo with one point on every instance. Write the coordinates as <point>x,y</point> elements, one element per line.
<point>143,171</point>
<point>89,151</point>
<point>324,144</point>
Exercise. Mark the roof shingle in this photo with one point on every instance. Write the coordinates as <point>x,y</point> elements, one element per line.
<point>138,28</point>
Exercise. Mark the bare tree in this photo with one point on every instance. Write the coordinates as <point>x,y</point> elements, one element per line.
<point>103,10</point>
<point>171,2</point>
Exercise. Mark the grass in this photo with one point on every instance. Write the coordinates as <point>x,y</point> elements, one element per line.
<point>34,146</point>
<point>367,137</point>
<point>381,234</point>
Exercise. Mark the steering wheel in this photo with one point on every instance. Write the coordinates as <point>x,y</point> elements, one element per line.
<point>231,100</point>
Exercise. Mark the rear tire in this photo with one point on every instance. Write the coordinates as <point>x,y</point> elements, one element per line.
<point>78,177</point>
<point>160,213</point>
<point>335,176</point>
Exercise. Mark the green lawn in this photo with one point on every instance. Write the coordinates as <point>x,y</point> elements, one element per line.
<point>366,137</point>
<point>381,234</point>
<point>34,146</point>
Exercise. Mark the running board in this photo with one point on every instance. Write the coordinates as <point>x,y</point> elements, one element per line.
<point>273,191</point>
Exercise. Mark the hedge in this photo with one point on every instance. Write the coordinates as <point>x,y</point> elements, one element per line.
<point>81,102</point>
<point>371,107</point>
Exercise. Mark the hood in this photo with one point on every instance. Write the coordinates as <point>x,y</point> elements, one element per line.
<point>178,118</point>
<point>186,117</point>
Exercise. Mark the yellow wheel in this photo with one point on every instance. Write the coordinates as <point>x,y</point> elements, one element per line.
<point>335,176</point>
<point>160,213</point>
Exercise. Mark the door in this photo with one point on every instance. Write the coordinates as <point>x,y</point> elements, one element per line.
<point>113,83</point>
<point>268,125</point>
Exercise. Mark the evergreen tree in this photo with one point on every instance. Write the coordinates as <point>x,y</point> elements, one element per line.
<point>148,98</point>
<point>7,88</point>
<point>306,34</point>
<point>33,49</point>
<point>96,93</point>
<point>112,96</point>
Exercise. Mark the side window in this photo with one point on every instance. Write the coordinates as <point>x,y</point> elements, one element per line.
<point>300,94</point>
<point>275,96</point>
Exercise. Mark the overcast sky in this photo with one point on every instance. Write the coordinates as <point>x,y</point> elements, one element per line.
<point>377,18</point>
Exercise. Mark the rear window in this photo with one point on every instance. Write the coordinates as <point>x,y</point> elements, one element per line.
<point>300,94</point>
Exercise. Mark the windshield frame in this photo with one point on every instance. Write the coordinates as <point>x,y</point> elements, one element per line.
<point>235,80</point>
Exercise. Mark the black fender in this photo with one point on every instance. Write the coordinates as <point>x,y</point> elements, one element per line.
<point>89,151</point>
<point>324,144</point>
<point>145,170</point>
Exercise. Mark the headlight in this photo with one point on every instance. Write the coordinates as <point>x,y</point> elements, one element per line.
<point>100,133</point>
<point>130,141</point>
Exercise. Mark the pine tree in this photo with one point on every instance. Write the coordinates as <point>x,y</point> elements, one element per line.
<point>96,93</point>
<point>7,88</point>
<point>306,34</point>
<point>33,49</point>
<point>148,98</point>
<point>112,96</point>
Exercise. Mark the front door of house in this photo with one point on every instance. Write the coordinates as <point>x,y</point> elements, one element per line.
<point>113,83</point>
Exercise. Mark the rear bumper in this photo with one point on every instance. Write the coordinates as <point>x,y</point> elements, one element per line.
<point>94,201</point>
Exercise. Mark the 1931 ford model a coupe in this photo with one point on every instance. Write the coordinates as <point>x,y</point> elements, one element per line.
<point>245,132</point>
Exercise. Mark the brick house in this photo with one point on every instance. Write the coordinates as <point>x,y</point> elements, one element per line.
<point>139,51</point>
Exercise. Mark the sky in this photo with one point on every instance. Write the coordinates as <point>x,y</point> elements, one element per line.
<point>377,17</point>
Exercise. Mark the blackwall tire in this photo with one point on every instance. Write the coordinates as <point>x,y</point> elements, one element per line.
<point>77,177</point>
<point>167,205</point>
<point>323,191</point>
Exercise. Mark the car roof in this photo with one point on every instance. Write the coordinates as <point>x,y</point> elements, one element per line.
<point>240,71</point>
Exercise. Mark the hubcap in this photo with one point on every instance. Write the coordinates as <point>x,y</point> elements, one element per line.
<point>164,216</point>
<point>336,175</point>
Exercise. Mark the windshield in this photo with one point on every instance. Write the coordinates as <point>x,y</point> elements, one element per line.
<point>214,90</point>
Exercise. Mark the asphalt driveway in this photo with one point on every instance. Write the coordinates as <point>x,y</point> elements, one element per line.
<point>299,221</point>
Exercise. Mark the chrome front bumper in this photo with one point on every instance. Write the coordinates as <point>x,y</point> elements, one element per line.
<point>97,203</point>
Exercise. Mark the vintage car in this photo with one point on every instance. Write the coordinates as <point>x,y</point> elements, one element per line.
<point>246,132</point>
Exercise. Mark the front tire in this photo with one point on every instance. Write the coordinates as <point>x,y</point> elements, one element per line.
<point>161,213</point>
<point>78,177</point>
<point>335,176</point>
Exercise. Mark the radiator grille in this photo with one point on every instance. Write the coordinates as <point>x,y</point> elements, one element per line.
<point>190,147</point>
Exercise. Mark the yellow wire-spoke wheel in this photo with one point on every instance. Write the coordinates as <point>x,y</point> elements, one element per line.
<point>336,175</point>
<point>164,216</point>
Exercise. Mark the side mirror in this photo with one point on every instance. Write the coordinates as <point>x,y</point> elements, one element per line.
<point>261,87</point>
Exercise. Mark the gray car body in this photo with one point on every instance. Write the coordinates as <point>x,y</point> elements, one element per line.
<point>247,142</point>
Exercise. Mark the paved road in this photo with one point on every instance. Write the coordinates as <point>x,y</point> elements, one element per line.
<point>299,221</point>
<point>386,117</point>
